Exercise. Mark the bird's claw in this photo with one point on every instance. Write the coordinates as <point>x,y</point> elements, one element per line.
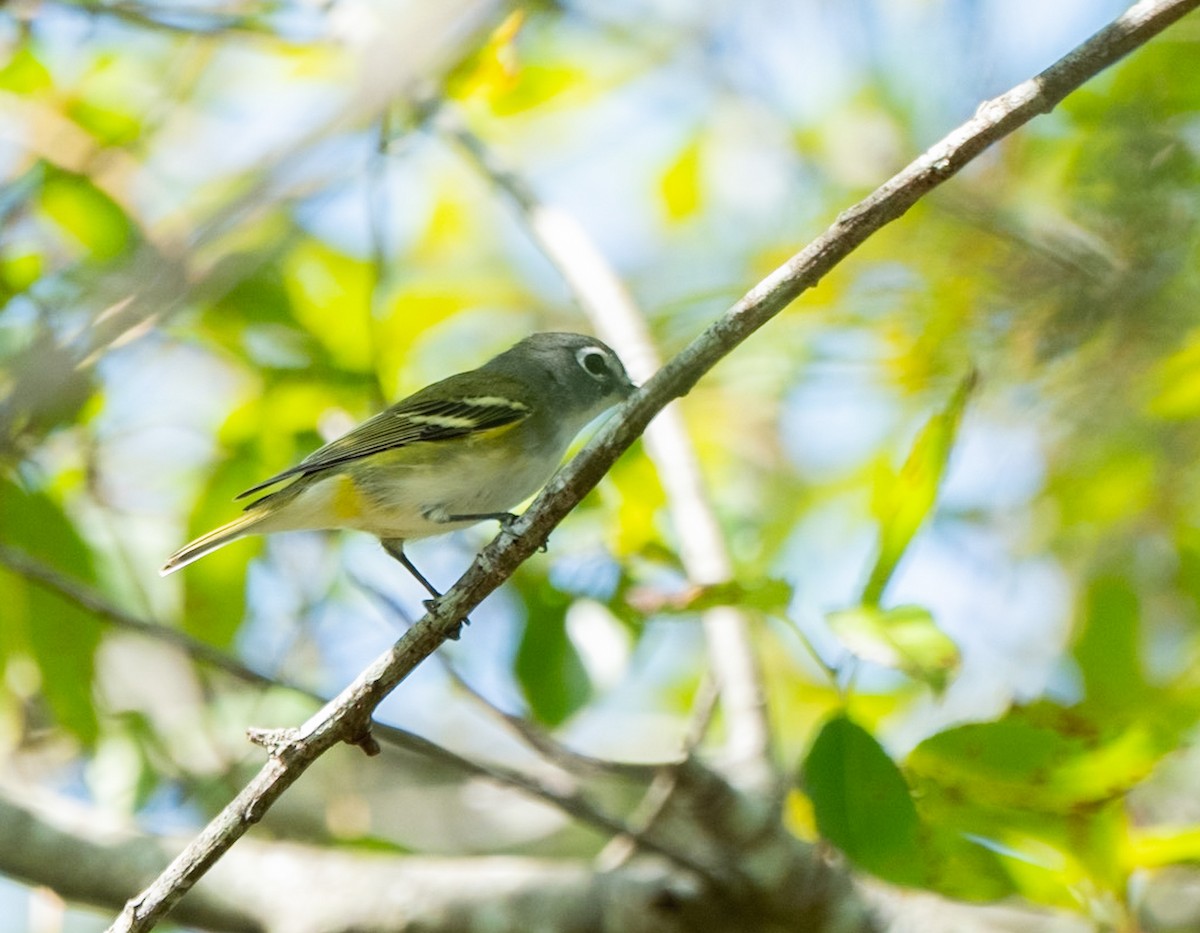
<point>431,605</point>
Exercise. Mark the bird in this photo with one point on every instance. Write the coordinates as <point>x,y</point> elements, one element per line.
<point>460,451</point>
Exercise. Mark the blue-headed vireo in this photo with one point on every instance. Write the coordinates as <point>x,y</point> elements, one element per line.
<point>459,451</point>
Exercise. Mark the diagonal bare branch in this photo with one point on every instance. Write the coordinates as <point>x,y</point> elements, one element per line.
<point>348,716</point>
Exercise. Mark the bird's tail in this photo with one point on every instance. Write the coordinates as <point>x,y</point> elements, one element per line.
<point>238,528</point>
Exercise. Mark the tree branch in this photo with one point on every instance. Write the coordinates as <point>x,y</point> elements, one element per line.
<point>94,602</point>
<point>547,746</point>
<point>295,888</point>
<point>654,801</point>
<point>194,22</point>
<point>566,798</point>
<point>347,717</point>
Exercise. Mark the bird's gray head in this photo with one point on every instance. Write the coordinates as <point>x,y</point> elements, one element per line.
<point>582,374</point>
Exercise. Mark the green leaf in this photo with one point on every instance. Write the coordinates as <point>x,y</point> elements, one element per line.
<point>59,635</point>
<point>961,865</point>
<point>766,595</point>
<point>1044,857</point>
<point>905,638</point>
<point>982,853</point>
<point>902,501</point>
<point>862,803</point>
<point>254,319</point>
<point>1108,650</point>
<point>1043,758</point>
<point>64,638</point>
<point>90,216</point>
<point>1187,573</point>
<point>36,525</point>
<point>509,75</point>
<point>548,668</point>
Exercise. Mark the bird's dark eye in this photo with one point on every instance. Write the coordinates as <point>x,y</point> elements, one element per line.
<point>594,362</point>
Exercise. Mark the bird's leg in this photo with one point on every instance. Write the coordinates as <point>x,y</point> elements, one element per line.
<point>395,549</point>
<point>505,519</point>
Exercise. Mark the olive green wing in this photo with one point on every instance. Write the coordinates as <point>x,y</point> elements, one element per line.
<point>454,407</point>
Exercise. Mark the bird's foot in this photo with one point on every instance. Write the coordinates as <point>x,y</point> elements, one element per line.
<point>455,633</point>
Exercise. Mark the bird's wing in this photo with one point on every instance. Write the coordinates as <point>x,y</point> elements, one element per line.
<point>426,416</point>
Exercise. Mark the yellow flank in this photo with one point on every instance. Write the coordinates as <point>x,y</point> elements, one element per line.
<point>493,433</point>
<point>346,500</point>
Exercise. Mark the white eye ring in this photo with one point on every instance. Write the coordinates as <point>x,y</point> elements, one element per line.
<point>594,362</point>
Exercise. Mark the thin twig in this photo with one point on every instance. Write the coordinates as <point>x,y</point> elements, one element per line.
<point>566,797</point>
<point>196,21</point>
<point>349,714</point>
<point>621,848</point>
<point>614,314</point>
<point>553,751</point>
<point>91,600</point>
<point>569,801</point>
<point>546,745</point>
<point>378,211</point>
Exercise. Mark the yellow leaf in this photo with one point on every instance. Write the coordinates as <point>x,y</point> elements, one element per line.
<point>409,314</point>
<point>1160,846</point>
<point>681,183</point>
<point>640,500</point>
<point>495,69</point>
<point>451,224</point>
<point>1177,382</point>
<point>331,296</point>
<point>798,816</point>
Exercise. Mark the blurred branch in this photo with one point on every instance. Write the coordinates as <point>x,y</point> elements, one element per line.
<point>174,18</point>
<point>568,763</point>
<point>543,742</point>
<point>813,892</point>
<point>322,890</point>
<point>615,316</point>
<point>378,211</point>
<point>58,843</point>
<point>551,750</point>
<point>621,848</point>
<point>565,797</point>
<point>91,600</point>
